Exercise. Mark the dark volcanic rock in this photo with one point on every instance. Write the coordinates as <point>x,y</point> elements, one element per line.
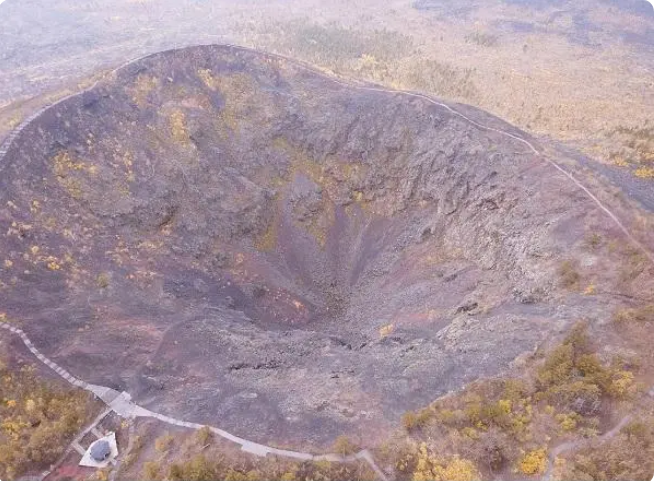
<point>241,242</point>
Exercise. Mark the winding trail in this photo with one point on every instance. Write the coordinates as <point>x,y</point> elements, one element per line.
<point>122,404</point>
<point>571,445</point>
<point>376,88</point>
<point>359,85</point>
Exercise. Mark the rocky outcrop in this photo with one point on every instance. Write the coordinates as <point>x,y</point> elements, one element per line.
<point>232,237</point>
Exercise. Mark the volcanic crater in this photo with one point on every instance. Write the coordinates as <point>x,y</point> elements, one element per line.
<point>238,240</point>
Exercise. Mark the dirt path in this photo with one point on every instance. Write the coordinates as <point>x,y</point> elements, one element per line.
<point>572,445</point>
<point>537,153</point>
<point>351,83</point>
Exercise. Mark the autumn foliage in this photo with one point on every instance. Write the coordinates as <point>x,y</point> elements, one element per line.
<point>37,420</point>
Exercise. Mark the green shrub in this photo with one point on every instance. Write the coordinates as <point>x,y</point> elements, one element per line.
<point>163,443</point>
<point>569,276</point>
<point>482,38</point>
<point>102,280</point>
<point>639,314</point>
<point>629,455</point>
<point>533,462</point>
<point>344,446</point>
<point>37,420</point>
<point>151,471</point>
<point>204,435</point>
<point>573,375</point>
<point>413,420</point>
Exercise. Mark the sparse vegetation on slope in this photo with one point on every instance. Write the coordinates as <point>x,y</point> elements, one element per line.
<point>509,424</point>
<point>636,149</point>
<point>321,256</point>
<point>252,196</point>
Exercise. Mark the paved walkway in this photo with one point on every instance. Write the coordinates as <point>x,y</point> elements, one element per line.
<point>350,83</point>
<point>353,84</point>
<point>121,403</point>
<point>75,443</point>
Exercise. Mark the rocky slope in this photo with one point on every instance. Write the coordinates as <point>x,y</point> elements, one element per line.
<point>239,241</point>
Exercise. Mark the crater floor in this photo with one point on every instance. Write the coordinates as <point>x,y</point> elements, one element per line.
<point>239,241</point>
